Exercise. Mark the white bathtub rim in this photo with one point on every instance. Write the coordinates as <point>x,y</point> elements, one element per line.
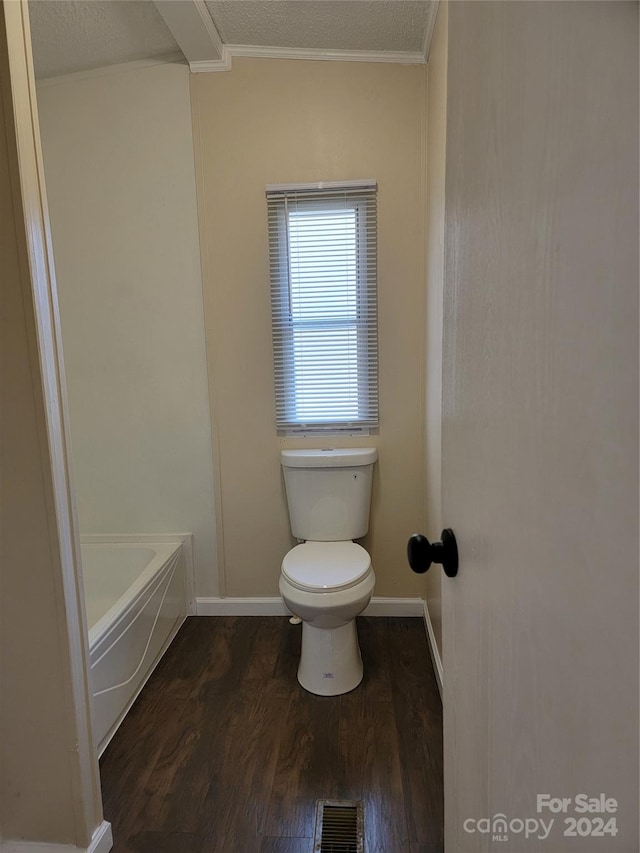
<point>164,554</point>
<point>147,539</point>
<point>133,538</point>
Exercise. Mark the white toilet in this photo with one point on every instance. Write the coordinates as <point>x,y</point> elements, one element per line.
<point>327,581</point>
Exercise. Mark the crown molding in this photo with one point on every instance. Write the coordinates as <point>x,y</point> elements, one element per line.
<point>311,53</point>
<point>268,52</point>
<point>432,14</point>
<point>208,65</point>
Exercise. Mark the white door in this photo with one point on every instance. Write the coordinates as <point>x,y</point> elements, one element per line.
<point>540,430</point>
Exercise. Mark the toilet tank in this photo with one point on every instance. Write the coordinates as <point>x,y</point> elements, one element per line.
<point>329,492</point>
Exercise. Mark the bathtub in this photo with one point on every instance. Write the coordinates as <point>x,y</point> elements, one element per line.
<point>136,601</point>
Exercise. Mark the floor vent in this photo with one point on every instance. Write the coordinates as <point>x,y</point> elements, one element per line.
<point>339,827</point>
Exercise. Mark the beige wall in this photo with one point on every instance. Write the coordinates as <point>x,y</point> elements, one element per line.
<point>436,156</point>
<point>26,566</point>
<point>49,787</point>
<point>273,121</point>
<point>118,154</point>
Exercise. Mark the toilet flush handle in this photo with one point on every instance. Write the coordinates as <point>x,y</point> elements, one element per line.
<point>421,553</point>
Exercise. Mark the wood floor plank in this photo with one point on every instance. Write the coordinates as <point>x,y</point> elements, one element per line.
<point>253,727</point>
<point>224,752</point>
<point>374,646</point>
<point>287,845</point>
<point>306,768</point>
<point>163,842</point>
<point>228,652</point>
<point>128,766</point>
<point>418,713</point>
<point>289,653</point>
<point>266,649</point>
<point>181,743</point>
<point>370,770</point>
<point>241,728</point>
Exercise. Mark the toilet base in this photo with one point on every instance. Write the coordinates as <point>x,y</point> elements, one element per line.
<point>330,661</point>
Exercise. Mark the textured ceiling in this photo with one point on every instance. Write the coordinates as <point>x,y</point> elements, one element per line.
<point>327,24</point>
<point>75,35</point>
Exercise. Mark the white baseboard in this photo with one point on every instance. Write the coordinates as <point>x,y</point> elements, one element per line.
<point>383,606</point>
<point>101,842</point>
<point>433,647</point>
<point>380,606</point>
<point>241,607</point>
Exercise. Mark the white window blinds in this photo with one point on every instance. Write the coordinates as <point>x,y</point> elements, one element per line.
<point>322,251</point>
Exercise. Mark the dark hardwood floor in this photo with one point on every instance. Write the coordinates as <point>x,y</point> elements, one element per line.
<point>224,752</point>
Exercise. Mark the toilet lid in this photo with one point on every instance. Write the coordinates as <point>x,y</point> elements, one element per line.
<point>322,566</point>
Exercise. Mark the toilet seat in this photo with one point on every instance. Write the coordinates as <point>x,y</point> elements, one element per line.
<point>326,566</point>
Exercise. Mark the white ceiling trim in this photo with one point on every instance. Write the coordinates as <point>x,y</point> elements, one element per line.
<point>429,28</point>
<point>206,66</point>
<point>262,51</point>
<point>103,70</point>
<point>193,28</point>
<point>267,52</point>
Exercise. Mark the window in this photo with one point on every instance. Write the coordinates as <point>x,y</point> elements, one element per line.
<point>322,250</point>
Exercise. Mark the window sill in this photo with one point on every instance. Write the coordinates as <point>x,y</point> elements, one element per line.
<point>332,432</point>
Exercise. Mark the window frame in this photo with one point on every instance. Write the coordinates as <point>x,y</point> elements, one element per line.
<point>361,197</point>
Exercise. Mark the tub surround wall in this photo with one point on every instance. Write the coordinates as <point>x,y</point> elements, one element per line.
<point>277,121</point>
<point>119,167</point>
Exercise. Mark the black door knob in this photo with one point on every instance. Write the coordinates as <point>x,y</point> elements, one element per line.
<point>421,553</point>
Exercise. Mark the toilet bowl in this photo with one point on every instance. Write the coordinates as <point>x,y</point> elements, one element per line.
<point>327,581</point>
<point>327,585</point>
